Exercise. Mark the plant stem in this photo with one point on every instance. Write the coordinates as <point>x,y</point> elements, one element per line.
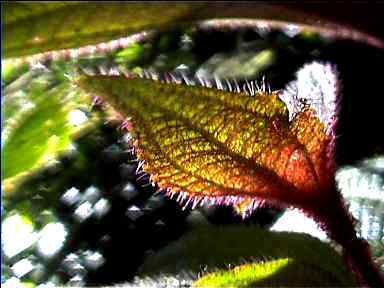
<point>338,222</point>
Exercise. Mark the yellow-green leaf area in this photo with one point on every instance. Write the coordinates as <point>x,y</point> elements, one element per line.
<point>283,272</point>
<point>39,134</point>
<point>244,275</point>
<point>277,259</point>
<point>32,28</point>
<point>10,70</point>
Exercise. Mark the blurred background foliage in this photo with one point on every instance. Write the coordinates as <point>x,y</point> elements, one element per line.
<point>74,210</point>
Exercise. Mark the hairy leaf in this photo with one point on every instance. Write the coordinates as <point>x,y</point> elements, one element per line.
<point>32,28</point>
<point>275,273</point>
<point>305,261</point>
<point>216,147</point>
<point>213,145</point>
<point>247,275</point>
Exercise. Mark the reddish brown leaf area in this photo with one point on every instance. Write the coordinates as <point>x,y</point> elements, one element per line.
<point>215,146</point>
<point>310,132</point>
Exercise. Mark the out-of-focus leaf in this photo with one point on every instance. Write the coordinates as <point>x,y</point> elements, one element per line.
<point>303,260</point>
<point>30,138</point>
<point>32,28</point>
<point>21,10</point>
<point>213,145</point>
<point>244,65</point>
<point>38,134</point>
<point>36,27</point>
<point>11,70</point>
<point>130,54</point>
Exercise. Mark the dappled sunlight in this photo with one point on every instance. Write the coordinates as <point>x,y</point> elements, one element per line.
<point>17,235</point>
<point>22,267</point>
<point>77,117</point>
<point>51,239</point>
<point>362,185</point>
<point>363,180</point>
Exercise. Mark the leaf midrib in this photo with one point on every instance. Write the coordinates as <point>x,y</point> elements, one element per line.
<point>267,173</point>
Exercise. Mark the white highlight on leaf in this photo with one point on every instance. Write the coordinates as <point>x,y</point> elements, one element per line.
<point>17,235</point>
<point>77,117</point>
<point>22,267</point>
<point>93,259</point>
<point>47,285</point>
<point>52,238</point>
<point>364,180</point>
<point>13,282</point>
<point>316,85</point>
<point>71,196</point>
<point>83,212</point>
<point>92,194</point>
<point>101,207</point>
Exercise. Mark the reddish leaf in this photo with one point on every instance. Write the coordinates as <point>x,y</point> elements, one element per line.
<point>218,147</point>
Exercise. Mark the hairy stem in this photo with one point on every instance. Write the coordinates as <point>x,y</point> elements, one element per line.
<point>340,226</point>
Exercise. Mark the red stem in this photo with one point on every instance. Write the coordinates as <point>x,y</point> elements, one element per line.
<point>340,226</point>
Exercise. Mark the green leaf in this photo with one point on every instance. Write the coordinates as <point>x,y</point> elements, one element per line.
<point>290,259</point>
<point>32,28</point>
<point>11,70</point>
<point>280,272</point>
<point>35,137</point>
<point>17,10</point>
<point>38,133</point>
<point>130,54</point>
